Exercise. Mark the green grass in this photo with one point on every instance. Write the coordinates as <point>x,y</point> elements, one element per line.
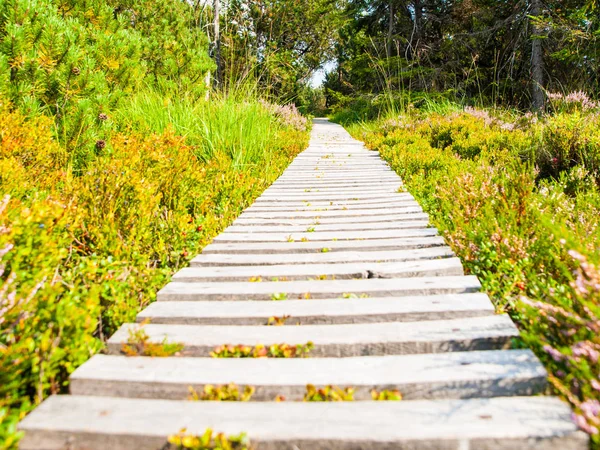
<point>237,125</point>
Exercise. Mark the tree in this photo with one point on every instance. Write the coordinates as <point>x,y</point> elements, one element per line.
<point>217,41</point>
<point>537,58</point>
<point>279,42</point>
<point>505,52</point>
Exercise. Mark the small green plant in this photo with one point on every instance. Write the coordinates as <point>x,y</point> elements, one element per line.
<point>279,296</point>
<point>223,393</point>
<point>328,394</point>
<point>276,279</point>
<point>208,441</point>
<point>322,278</point>
<point>386,395</point>
<point>325,250</point>
<point>138,344</point>
<point>262,351</point>
<point>310,230</point>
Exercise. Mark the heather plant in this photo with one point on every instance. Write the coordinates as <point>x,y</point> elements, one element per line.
<point>569,140</point>
<point>287,115</point>
<point>572,321</point>
<point>574,101</point>
<point>530,234</point>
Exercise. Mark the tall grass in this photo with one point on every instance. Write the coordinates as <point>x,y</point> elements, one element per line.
<point>235,124</point>
<point>395,99</point>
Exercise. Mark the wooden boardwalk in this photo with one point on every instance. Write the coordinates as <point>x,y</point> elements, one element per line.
<point>334,246</point>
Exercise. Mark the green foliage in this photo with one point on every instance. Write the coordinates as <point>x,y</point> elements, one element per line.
<point>78,60</point>
<point>364,108</point>
<point>242,133</point>
<point>278,42</point>
<point>531,236</point>
<point>476,52</point>
<point>138,344</point>
<point>328,394</point>
<point>208,441</point>
<point>83,252</point>
<point>225,393</point>
<point>312,101</point>
<point>9,436</point>
<point>262,351</point>
<point>386,395</point>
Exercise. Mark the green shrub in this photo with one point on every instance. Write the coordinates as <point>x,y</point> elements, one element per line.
<point>569,140</point>
<point>532,237</point>
<point>77,60</point>
<point>82,253</point>
<point>114,171</point>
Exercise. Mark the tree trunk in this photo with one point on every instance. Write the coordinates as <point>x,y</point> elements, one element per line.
<point>538,94</point>
<point>390,29</point>
<point>418,21</point>
<point>217,30</point>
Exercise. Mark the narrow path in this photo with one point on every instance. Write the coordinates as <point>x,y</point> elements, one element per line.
<point>334,246</point>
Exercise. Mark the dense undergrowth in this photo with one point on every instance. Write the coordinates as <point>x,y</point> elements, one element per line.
<point>115,170</point>
<point>84,252</point>
<point>518,199</point>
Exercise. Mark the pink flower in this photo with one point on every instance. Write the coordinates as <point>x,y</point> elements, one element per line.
<point>583,425</point>
<point>555,354</point>
<point>586,349</point>
<point>590,408</point>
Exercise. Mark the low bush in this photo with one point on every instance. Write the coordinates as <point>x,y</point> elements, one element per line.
<point>116,167</point>
<point>81,252</point>
<point>518,201</point>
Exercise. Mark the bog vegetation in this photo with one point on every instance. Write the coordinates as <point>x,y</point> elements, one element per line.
<point>114,171</point>
<point>489,111</point>
<point>517,197</point>
<point>118,161</point>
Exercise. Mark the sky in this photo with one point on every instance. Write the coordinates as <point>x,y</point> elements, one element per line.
<point>319,76</point>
